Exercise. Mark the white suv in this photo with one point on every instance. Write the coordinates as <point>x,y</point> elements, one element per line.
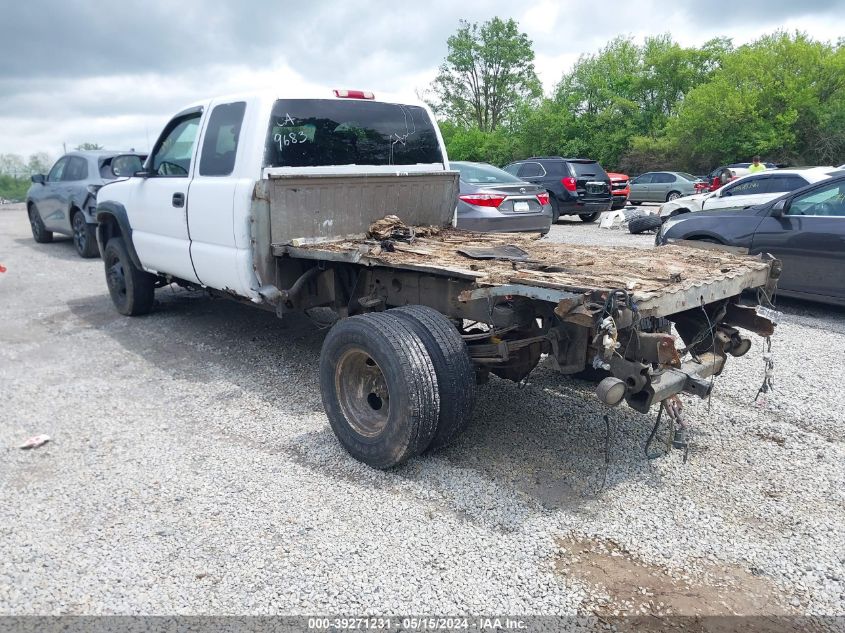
<point>747,190</point>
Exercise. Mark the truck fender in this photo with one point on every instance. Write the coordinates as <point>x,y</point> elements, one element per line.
<point>112,221</point>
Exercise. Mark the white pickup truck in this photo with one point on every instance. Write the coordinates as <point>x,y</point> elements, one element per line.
<point>343,201</point>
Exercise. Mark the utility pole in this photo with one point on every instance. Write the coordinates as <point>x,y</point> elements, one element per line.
<point>64,147</point>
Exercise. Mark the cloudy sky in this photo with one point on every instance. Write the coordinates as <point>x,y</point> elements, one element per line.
<point>113,72</point>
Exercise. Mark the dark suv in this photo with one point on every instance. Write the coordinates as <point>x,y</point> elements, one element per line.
<point>576,186</point>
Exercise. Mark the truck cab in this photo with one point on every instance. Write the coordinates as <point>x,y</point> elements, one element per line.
<point>186,215</point>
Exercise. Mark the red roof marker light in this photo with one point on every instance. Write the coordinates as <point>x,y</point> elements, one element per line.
<point>353,94</point>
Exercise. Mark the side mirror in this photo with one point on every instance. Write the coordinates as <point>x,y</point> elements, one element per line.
<point>725,194</point>
<point>39,178</point>
<point>779,208</point>
<point>126,165</point>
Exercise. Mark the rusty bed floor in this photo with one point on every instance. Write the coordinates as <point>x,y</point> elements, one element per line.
<point>643,272</point>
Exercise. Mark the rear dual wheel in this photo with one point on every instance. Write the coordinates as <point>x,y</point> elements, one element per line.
<point>395,384</point>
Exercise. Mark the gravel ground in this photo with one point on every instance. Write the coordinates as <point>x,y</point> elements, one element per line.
<point>192,470</point>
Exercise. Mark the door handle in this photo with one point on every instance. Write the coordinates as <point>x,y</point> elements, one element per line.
<point>178,199</point>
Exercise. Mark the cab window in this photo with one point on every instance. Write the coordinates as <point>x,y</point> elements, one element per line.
<point>220,145</point>
<point>173,151</point>
<point>334,132</point>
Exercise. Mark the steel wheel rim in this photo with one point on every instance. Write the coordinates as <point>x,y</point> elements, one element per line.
<point>362,392</point>
<point>79,234</point>
<point>116,277</point>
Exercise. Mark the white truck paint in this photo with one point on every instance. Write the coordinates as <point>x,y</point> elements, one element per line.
<point>207,240</point>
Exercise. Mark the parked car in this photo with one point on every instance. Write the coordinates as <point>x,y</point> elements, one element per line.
<point>619,189</point>
<point>721,176</point>
<point>491,199</point>
<point>660,186</point>
<point>747,190</point>
<point>64,200</point>
<point>805,229</point>
<point>576,186</point>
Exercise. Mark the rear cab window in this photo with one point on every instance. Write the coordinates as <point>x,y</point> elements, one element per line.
<point>327,132</point>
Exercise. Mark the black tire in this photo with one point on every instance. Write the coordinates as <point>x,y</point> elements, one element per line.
<point>673,195</point>
<point>132,291</point>
<point>39,232</point>
<point>452,366</point>
<point>555,209</point>
<point>369,359</point>
<point>645,223</point>
<point>84,236</point>
<point>588,217</point>
<point>636,204</point>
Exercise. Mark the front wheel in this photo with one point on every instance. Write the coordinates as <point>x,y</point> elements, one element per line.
<point>132,290</point>
<point>84,237</point>
<point>379,389</point>
<point>588,217</point>
<point>39,232</point>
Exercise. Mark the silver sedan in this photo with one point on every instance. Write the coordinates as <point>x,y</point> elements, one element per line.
<point>661,186</point>
<point>491,199</point>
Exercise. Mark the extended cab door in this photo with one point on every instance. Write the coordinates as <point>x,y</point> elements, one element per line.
<point>218,213</point>
<point>159,204</point>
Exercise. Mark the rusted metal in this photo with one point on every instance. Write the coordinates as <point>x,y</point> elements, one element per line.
<point>747,318</point>
<point>652,347</point>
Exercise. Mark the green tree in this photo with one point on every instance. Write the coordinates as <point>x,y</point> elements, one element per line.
<point>782,96</point>
<point>488,72</point>
<point>88,146</point>
<point>627,90</point>
<point>12,165</point>
<point>39,163</point>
